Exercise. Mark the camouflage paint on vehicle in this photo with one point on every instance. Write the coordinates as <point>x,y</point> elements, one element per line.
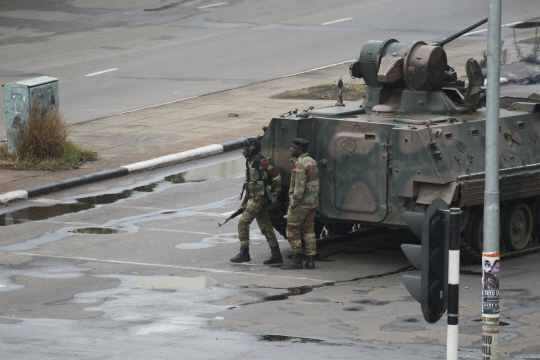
<point>418,135</point>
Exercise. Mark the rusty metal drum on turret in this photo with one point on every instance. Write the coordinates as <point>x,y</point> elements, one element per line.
<point>417,136</point>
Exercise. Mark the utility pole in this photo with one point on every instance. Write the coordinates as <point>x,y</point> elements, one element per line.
<point>490,254</point>
<point>452,334</point>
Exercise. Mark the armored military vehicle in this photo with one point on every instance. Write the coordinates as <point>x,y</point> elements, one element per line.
<point>417,135</point>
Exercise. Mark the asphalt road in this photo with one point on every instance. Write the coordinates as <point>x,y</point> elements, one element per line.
<point>137,268</point>
<point>113,56</point>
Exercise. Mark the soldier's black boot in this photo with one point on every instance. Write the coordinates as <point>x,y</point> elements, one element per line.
<point>295,264</point>
<point>242,256</point>
<point>310,263</point>
<point>275,258</point>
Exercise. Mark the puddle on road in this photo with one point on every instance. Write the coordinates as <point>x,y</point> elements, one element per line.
<point>228,238</point>
<point>210,172</point>
<point>293,339</point>
<point>174,282</point>
<point>526,25</point>
<point>35,213</point>
<point>292,291</point>
<point>130,224</point>
<point>371,302</point>
<point>194,246</point>
<point>97,230</point>
<point>210,242</point>
<point>301,290</point>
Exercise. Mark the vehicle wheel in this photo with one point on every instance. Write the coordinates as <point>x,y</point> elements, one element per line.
<point>464,218</point>
<point>518,226</point>
<point>477,234</point>
<point>277,214</point>
<point>470,234</point>
<point>505,206</point>
<point>535,209</point>
<point>279,223</point>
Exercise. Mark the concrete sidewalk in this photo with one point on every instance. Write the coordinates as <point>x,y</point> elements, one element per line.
<point>210,119</point>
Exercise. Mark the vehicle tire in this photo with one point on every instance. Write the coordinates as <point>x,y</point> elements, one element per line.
<point>478,233</point>
<point>277,214</point>
<point>535,208</point>
<point>518,226</point>
<point>470,234</point>
<point>279,223</point>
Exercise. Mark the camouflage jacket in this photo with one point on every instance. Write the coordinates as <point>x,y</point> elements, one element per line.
<point>304,190</point>
<point>262,179</point>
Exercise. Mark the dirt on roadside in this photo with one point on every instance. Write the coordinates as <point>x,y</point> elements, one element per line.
<point>351,92</point>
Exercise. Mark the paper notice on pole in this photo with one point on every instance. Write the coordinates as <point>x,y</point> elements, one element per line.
<point>490,305</point>
<point>490,280</point>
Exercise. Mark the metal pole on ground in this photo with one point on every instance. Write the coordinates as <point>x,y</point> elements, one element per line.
<point>490,254</point>
<point>453,284</point>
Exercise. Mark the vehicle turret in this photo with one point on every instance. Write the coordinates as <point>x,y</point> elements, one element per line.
<point>416,78</point>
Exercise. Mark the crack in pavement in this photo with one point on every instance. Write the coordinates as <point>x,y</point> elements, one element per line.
<point>304,289</point>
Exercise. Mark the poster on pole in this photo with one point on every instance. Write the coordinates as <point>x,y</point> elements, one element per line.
<point>490,305</point>
<point>490,279</point>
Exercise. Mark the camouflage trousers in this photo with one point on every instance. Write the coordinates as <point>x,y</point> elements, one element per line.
<point>256,209</point>
<point>300,221</point>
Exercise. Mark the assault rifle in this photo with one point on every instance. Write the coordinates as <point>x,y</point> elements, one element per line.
<point>234,214</point>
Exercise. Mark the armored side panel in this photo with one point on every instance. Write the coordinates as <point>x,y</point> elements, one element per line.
<point>373,168</point>
<point>20,96</point>
<point>277,141</point>
<point>519,159</point>
<point>353,165</point>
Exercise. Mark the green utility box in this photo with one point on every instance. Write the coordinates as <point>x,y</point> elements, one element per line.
<point>19,97</point>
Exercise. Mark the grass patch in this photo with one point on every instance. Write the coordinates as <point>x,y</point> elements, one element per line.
<point>531,57</point>
<point>45,144</point>
<point>351,92</point>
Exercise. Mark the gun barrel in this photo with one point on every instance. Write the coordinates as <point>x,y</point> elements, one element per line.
<point>233,215</point>
<point>462,32</point>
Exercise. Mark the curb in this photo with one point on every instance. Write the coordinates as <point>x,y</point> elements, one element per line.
<point>123,170</point>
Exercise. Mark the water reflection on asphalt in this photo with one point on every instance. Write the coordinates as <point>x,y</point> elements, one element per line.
<point>219,170</point>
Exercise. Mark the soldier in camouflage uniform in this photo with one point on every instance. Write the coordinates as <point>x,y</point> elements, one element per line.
<point>303,201</point>
<point>262,185</point>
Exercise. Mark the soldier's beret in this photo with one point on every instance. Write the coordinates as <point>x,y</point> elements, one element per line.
<point>300,142</point>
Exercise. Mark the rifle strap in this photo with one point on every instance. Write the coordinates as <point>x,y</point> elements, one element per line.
<point>244,187</point>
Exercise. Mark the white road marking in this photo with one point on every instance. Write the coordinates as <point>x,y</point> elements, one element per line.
<point>170,212</point>
<point>144,208</point>
<point>169,266</point>
<point>212,93</point>
<point>335,21</point>
<point>200,213</point>
<point>207,6</point>
<point>43,200</point>
<point>479,31</point>
<point>101,72</point>
<point>69,223</point>
<point>181,231</point>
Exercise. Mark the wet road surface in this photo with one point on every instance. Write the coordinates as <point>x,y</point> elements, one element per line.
<point>143,272</point>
